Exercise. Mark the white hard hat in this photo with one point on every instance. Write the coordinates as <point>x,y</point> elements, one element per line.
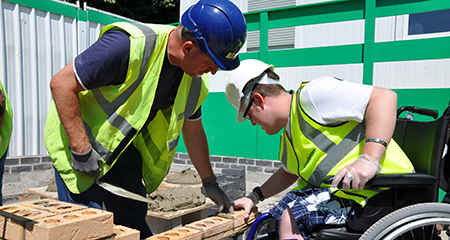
<point>240,82</point>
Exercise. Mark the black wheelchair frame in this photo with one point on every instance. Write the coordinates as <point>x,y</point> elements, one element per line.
<point>410,208</point>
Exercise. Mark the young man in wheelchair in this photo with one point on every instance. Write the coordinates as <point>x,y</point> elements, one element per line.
<point>331,128</point>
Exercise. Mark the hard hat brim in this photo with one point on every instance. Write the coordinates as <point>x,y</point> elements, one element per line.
<point>245,99</point>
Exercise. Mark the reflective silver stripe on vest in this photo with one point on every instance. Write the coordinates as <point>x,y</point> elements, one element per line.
<point>110,107</point>
<point>101,150</point>
<point>173,144</point>
<point>194,94</point>
<point>335,153</point>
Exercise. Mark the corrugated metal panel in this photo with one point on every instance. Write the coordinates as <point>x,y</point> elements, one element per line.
<point>35,45</point>
<point>385,29</point>
<point>413,74</point>
<point>281,38</point>
<point>292,77</point>
<point>329,34</point>
<point>256,5</point>
<point>278,38</point>
<point>252,41</point>
<point>303,2</point>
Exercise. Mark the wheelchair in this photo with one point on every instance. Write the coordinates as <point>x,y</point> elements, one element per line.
<point>409,209</point>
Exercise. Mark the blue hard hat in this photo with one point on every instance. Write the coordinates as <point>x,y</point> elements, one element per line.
<point>219,28</point>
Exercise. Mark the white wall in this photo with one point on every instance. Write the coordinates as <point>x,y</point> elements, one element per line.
<point>404,74</point>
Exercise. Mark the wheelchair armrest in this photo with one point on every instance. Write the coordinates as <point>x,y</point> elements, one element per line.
<point>401,180</point>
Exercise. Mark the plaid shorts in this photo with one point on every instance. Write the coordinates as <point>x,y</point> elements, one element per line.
<point>313,207</point>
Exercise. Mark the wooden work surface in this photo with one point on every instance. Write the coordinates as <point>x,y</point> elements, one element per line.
<point>40,191</point>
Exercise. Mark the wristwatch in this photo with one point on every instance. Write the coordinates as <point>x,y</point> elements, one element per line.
<point>257,190</point>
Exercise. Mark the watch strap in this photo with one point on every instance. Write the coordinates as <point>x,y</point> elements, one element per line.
<point>257,190</point>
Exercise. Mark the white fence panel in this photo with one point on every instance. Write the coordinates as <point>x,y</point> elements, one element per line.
<point>34,45</point>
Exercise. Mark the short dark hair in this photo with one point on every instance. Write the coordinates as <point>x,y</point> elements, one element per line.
<point>269,89</point>
<point>186,35</point>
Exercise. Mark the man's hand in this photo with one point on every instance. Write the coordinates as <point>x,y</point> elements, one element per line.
<point>357,173</point>
<point>88,162</point>
<point>216,194</point>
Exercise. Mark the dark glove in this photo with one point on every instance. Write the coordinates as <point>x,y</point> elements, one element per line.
<point>216,194</point>
<point>88,162</point>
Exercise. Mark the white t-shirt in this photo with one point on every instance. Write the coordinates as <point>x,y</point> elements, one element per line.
<point>330,101</point>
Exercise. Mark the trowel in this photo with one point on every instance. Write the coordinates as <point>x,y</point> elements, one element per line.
<point>122,192</point>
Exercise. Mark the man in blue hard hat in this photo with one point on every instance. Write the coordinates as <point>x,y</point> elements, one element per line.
<point>119,108</point>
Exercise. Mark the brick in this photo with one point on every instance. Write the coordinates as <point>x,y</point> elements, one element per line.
<point>213,227</point>
<point>84,224</point>
<point>220,177</point>
<point>239,220</point>
<point>21,168</point>
<point>25,212</point>
<point>12,161</point>
<point>183,156</point>
<point>222,165</point>
<point>11,227</point>
<point>277,164</point>
<point>229,160</point>
<point>179,233</point>
<point>54,206</point>
<point>52,219</point>
<point>264,163</point>
<point>246,161</point>
<point>30,160</point>
<point>42,166</point>
<point>234,172</point>
<point>254,169</point>
<point>125,233</point>
<point>46,159</point>
<point>41,224</point>
<point>178,161</point>
<point>215,159</point>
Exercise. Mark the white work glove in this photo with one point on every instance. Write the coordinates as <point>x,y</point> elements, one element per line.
<point>88,162</point>
<point>358,173</point>
<point>216,194</point>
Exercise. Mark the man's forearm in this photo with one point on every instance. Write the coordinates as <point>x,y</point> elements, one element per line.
<point>197,147</point>
<point>65,88</point>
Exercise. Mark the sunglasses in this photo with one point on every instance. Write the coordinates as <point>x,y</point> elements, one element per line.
<point>248,107</point>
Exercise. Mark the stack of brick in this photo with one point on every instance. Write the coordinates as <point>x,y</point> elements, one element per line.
<point>49,219</point>
<point>234,185</point>
<point>232,182</point>
<point>221,226</point>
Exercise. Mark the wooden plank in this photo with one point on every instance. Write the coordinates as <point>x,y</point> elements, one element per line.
<point>41,192</point>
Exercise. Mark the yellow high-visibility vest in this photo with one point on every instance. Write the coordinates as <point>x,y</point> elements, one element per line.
<point>115,116</point>
<point>7,126</point>
<point>313,151</point>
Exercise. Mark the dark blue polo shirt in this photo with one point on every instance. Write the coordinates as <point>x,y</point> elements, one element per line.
<point>106,63</point>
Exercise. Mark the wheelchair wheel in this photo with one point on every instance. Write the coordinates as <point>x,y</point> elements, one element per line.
<point>265,229</point>
<point>412,222</point>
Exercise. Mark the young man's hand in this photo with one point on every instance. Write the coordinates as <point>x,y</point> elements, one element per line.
<point>357,174</point>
